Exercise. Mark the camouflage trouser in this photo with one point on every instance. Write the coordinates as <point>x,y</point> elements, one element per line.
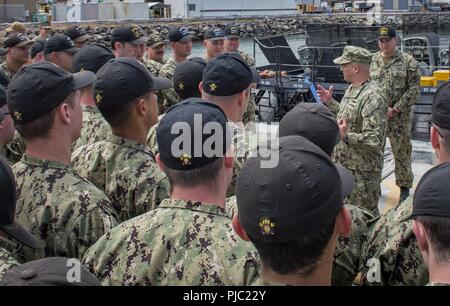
<point>249,115</point>
<point>399,133</point>
<point>367,191</point>
<point>348,250</point>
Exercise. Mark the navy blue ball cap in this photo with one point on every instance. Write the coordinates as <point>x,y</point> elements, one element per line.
<point>37,89</point>
<point>121,80</point>
<point>228,74</point>
<point>192,134</point>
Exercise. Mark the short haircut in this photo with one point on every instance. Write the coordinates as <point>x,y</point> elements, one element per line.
<point>118,115</point>
<point>41,126</point>
<point>206,175</point>
<point>299,256</point>
<point>438,231</point>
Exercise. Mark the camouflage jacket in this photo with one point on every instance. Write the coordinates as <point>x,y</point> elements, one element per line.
<point>365,110</point>
<point>95,128</point>
<point>126,171</point>
<point>390,255</point>
<point>398,80</point>
<point>7,70</point>
<point>61,208</point>
<point>153,66</point>
<point>7,261</point>
<point>179,243</point>
<point>167,71</point>
<point>247,58</point>
<point>348,250</point>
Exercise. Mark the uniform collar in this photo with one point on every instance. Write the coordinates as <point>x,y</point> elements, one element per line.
<point>354,92</point>
<point>207,208</point>
<point>90,109</point>
<point>128,143</point>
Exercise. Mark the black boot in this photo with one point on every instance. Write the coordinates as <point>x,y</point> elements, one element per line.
<point>404,193</point>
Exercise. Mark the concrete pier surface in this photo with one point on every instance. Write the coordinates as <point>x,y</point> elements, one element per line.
<point>423,159</point>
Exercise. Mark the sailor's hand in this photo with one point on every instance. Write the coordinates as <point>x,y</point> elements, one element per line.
<point>325,95</point>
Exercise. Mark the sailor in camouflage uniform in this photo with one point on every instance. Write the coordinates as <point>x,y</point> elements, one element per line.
<point>122,165</point>
<point>391,255</point>
<point>188,239</point>
<point>95,128</point>
<point>362,122</point>
<point>154,62</point>
<point>11,232</point>
<point>214,43</point>
<point>315,122</point>
<point>398,75</point>
<point>17,46</point>
<point>64,210</point>
<point>181,44</point>
<point>227,82</point>
<point>186,81</point>
<point>17,55</point>
<point>232,43</point>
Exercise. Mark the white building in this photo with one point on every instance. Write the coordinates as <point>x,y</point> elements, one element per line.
<point>221,8</point>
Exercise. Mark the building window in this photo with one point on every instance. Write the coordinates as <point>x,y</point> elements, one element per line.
<point>191,7</point>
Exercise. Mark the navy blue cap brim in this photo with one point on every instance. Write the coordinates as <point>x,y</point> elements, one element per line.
<point>232,36</point>
<point>72,50</point>
<point>17,232</point>
<point>3,51</point>
<point>83,79</point>
<point>161,83</point>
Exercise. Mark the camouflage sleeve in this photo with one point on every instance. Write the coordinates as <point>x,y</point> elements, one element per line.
<point>390,256</point>
<point>348,250</point>
<point>412,94</point>
<point>15,149</point>
<point>94,224</point>
<point>231,206</point>
<point>374,123</point>
<point>334,106</point>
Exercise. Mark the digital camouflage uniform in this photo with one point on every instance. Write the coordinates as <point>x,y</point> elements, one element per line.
<point>7,261</point>
<point>61,208</point>
<point>126,171</point>
<point>399,81</point>
<point>94,129</point>
<point>365,110</point>
<point>179,243</point>
<point>167,71</point>
<point>249,115</point>
<point>348,250</point>
<point>390,255</point>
